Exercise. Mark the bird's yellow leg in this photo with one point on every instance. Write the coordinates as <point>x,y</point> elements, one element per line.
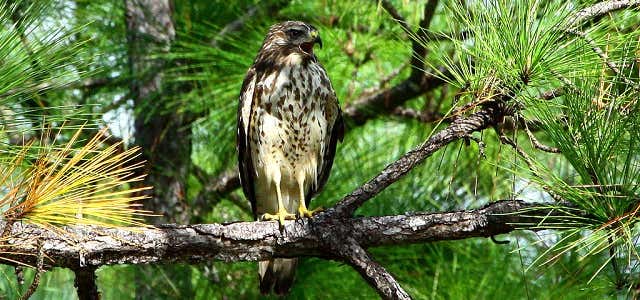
<point>282,213</point>
<point>302,207</point>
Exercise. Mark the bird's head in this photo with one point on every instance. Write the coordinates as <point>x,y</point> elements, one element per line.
<point>294,35</point>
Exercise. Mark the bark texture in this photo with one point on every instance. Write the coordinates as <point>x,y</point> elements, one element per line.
<point>326,236</point>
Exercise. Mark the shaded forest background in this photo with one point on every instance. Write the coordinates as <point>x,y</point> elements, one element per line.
<point>165,75</point>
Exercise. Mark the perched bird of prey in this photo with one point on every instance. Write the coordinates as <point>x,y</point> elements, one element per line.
<point>289,122</point>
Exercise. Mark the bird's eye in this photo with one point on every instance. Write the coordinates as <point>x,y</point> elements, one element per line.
<point>295,32</point>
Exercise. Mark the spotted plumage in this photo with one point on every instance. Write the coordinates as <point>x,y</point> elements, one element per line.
<point>289,122</point>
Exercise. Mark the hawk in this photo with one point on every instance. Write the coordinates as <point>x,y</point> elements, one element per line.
<point>289,122</point>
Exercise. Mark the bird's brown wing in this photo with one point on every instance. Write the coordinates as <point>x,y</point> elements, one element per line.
<point>245,163</point>
<point>337,134</point>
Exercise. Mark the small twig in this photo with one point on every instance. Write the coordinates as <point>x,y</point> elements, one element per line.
<point>39,270</point>
<point>554,93</point>
<point>537,144</point>
<point>393,12</point>
<point>422,116</point>
<point>529,161</point>
<point>605,58</point>
<point>481,144</point>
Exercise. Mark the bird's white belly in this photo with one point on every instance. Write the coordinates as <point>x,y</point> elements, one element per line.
<point>289,154</point>
<point>289,135</point>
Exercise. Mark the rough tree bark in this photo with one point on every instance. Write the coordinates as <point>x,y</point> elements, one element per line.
<point>326,236</point>
<point>163,134</point>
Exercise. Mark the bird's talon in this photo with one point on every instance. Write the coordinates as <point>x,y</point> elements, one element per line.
<point>280,216</point>
<point>304,212</point>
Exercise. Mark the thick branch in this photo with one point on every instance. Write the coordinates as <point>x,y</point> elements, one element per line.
<point>84,246</point>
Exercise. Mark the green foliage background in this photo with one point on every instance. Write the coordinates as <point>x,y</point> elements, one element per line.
<point>83,40</point>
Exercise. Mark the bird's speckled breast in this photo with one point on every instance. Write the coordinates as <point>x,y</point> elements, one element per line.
<point>292,124</point>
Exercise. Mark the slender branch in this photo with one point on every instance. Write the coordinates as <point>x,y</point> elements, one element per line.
<point>605,58</point>
<point>393,12</point>
<point>39,270</point>
<point>92,246</point>
<point>537,144</point>
<point>530,163</point>
<point>458,129</point>
<point>600,9</point>
<point>375,274</point>
<point>415,85</point>
<point>419,50</point>
<point>368,107</point>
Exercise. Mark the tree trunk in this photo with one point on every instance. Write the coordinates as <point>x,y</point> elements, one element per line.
<point>162,133</point>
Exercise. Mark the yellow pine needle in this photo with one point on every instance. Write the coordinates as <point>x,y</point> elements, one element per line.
<point>90,185</point>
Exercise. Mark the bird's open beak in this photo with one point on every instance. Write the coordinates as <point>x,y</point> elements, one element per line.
<point>316,38</point>
<point>313,38</point>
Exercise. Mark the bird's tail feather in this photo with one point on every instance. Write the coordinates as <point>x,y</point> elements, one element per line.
<point>277,274</point>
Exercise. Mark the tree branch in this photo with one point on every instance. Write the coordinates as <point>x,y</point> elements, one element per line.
<point>85,283</point>
<point>536,143</point>
<point>39,270</point>
<point>368,107</point>
<point>90,246</point>
<point>393,12</point>
<point>605,58</point>
<point>460,128</point>
<point>418,82</point>
<point>375,274</point>
<point>600,9</point>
